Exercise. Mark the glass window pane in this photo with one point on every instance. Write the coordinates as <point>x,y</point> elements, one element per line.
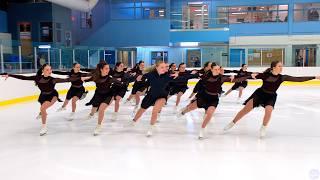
<point>254,57</point>
<point>269,55</point>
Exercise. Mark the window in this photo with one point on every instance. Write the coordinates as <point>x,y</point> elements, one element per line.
<point>85,20</point>
<point>264,56</point>
<point>307,12</point>
<point>252,14</point>
<point>58,32</point>
<point>157,56</point>
<point>46,32</point>
<point>138,9</point>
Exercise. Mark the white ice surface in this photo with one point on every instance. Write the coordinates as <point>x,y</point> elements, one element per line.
<point>291,150</point>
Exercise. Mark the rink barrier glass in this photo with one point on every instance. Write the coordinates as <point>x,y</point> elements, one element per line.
<point>92,88</point>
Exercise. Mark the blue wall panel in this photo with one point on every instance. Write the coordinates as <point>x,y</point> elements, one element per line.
<point>199,36</point>
<point>127,33</point>
<point>3,22</point>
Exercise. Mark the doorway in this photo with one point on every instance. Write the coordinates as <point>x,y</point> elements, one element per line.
<point>195,16</point>
<point>127,56</point>
<point>305,56</point>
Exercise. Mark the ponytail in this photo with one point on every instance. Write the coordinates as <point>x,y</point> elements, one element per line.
<point>39,73</point>
<point>273,64</point>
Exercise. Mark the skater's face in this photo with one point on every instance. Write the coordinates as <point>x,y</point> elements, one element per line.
<point>182,68</point>
<point>141,66</point>
<point>215,70</point>
<point>174,67</point>
<point>161,68</point>
<point>245,67</point>
<point>278,68</point>
<point>120,67</point>
<point>47,71</point>
<point>76,68</point>
<point>105,70</point>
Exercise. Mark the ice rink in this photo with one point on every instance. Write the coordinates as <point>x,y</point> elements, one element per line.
<point>291,150</point>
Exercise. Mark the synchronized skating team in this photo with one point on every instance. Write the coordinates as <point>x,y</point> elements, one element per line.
<point>158,83</point>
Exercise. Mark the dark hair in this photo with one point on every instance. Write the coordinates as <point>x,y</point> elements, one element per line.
<point>213,64</point>
<point>136,67</point>
<point>117,65</point>
<point>206,64</point>
<point>73,65</point>
<point>170,66</point>
<point>181,65</point>
<point>243,65</point>
<point>273,64</point>
<point>39,72</point>
<point>97,72</point>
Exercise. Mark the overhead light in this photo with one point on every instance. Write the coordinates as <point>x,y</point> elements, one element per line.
<point>195,3</point>
<point>189,44</point>
<point>200,10</point>
<point>161,15</point>
<point>161,11</point>
<point>176,14</point>
<point>44,47</point>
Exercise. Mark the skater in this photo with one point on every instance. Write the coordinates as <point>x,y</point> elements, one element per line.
<point>266,95</point>
<point>76,91</point>
<point>49,94</point>
<point>240,86</point>
<point>157,94</point>
<point>197,87</point>
<point>208,98</point>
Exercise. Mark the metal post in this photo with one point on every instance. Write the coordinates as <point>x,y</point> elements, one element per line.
<point>35,59</point>
<point>261,57</point>
<point>73,56</point>
<point>221,58</point>
<point>132,59</point>
<point>98,55</point>
<point>162,56</point>
<point>282,54</point>
<point>88,58</point>
<point>241,57</point>
<point>182,55</point>
<point>20,60</point>
<point>60,59</point>
<point>49,60</point>
<point>1,56</point>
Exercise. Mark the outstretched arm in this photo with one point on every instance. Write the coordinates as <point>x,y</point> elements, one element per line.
<point>21,77</point>
<point>298,79</point>
<point>61,72</point>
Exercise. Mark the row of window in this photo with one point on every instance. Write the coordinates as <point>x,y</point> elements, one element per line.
<point>138,9</point>
<point>273,13</point>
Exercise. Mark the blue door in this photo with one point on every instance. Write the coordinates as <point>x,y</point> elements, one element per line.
<point>110,57</point>
<point>237,57</point>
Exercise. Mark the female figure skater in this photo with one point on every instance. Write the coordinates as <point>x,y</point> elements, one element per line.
<point>206,68</point>
<point>172,68</point>
<point>156,95</point>
<point>208,98</point>
<point>104,93</point>
<point>180,85</point>
<point>266,95</point>
<point>76,91</point>
<point>138,87</point>
<point>120,89</point>
<point>49,94</point>
<point>240,85</point>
